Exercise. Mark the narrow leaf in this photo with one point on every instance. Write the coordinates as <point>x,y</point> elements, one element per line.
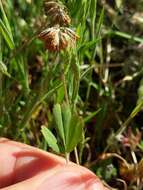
<point>4,17</point>
<point>99,23</point>
<point>5,28</point>
<point>3,69</point>
<point>5,33</point>
<point>76,71</point>
<point>66,114</point>
<point>58,120</point>
<point>75,133</point>
<point>89,117</point>
<point>50,138</point>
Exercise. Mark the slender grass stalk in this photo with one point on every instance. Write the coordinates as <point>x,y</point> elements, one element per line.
<point>67,155</point>
<point>68,103</point>
<point>36,101</point>
<point>76,155</point>
<point>65,87</point>
<point>93,23</point>
<point>1,89</point>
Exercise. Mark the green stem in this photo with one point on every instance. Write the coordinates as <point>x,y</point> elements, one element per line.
<point>65,88</point>
<point>67,155</point>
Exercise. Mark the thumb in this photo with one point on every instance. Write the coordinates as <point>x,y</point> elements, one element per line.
<point>26,167</point>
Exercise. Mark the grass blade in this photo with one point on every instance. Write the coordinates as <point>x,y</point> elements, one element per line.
<point>5,33</point>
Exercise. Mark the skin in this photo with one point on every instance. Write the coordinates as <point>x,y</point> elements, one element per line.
<point>25,167</point>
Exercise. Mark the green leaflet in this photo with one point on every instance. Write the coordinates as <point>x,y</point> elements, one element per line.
<point>66,116</point>
<point>69,126</point>
<point>74,134</point>
<point>59,122</point>
<point>50,138</point>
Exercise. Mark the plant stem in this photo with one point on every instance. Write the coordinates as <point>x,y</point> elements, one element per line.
<point>67,155</point>
<point>67,101</point>
<point>76,155</point>
<point>65,88</point>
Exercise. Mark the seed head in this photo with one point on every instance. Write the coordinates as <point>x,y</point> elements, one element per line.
<point>57,13</point>
<point>58,38</point>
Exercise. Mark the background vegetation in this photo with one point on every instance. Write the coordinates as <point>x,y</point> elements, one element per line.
<point>103,79</point>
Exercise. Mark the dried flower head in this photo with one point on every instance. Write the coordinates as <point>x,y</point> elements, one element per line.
<point>132,172</point>
<point>130,139</point>
<point>58,38</point>
<point>57,12</point>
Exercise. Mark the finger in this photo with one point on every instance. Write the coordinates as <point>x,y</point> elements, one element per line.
<point>20,162</point>
<point>39,170</point>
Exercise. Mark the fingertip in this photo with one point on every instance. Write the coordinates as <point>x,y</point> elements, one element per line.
<point>3,139</point>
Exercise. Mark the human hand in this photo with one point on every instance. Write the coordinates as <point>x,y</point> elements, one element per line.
<point>25,167</point>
